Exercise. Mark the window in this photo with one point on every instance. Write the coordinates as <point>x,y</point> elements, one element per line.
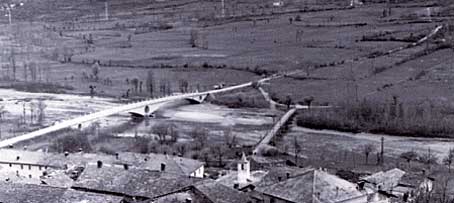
<point>10,165</point>
<point>21,166</point>
<point>242,166</point>
<point>29,167</point>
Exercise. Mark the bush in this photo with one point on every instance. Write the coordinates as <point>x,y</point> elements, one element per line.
<point>242,100</point>
<point>71,143</point>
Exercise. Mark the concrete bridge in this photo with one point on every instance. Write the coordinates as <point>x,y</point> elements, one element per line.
<point>148,110</point>
<point>148,106</point>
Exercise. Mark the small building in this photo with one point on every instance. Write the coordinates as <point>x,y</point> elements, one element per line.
<point>396,184</point>
<point>24,166</point>
<point>243,178</point>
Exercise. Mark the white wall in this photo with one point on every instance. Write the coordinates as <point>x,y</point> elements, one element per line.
<point>24,170</point>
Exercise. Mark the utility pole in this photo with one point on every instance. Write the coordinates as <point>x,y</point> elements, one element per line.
<point>223,8</point>
<point>106,6</point>
<point>382,150</point>
<point>9,8</point>
<point>9,15</point>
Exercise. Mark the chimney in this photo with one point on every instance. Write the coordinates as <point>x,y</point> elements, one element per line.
<point>17,158</point>
<point>163,166</point>
<point>117,156</point>
<point>66,153</point>
<point>99,164</point>
<point>188,200</point>
<point>236,186</point>
<point>125,166</point>
<point>279,178</point>
<point>288,175</point>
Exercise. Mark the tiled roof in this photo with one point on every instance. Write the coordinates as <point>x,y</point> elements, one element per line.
<point>132,182</point>
<point>218,193</point>
<point>312,185</point>
<point>277,173</point>
<point>387,180</point>
<point>31,193</point>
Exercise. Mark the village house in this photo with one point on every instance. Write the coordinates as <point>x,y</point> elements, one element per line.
<point>132,183</point>
<point>311,185</point>
<point>396,185</point>
<point>23,193</point>
<point>206,191</point>
<point>34,166</point>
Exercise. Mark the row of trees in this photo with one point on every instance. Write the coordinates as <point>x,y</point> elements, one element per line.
<point>154,87</point>
<point>36,112</point>
<point>163,138</point>
<point>428,158</point>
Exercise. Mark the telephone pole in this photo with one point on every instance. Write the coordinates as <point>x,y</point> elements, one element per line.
<point>106,6</point>
<point>223,8</point>
<point>382,150</point>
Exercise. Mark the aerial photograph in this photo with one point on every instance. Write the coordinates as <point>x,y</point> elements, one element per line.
<point>226,101</point>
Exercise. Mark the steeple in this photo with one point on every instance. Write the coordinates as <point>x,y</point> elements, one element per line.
<point>244,170</point>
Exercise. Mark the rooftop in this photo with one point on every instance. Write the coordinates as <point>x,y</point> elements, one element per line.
<point>317,184</point>
<point>218,193</point>
<point>174,164</point>
<point>24,193</point>
<point>387,180</point>
<point>133,182</point>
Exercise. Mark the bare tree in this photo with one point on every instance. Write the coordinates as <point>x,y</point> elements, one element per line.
<point>200,137</point>
<point>150,82</point>
<point>194,38</point>
<point>219,151</point>
<point>297,148</point>
<point>428,158</point>
<point>448,160</point>
<point>2,112</point>
<point>161,130</point>
<point>95,71</point>
<point>41,111</point>
<point>135,83</point>
<point>409,156</point>
<point>367,149</point>
<point>230,138</point>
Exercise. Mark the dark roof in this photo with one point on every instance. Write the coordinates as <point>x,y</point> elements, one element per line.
<point>31,193</point>
<point>317,184</point>
<point>218,193</point>
<point>385,180</point>
<point>28,193</point>
<point>274,174</point>
<point>133,182</point>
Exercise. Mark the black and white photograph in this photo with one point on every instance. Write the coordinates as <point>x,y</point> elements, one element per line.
<point>226,101</point>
